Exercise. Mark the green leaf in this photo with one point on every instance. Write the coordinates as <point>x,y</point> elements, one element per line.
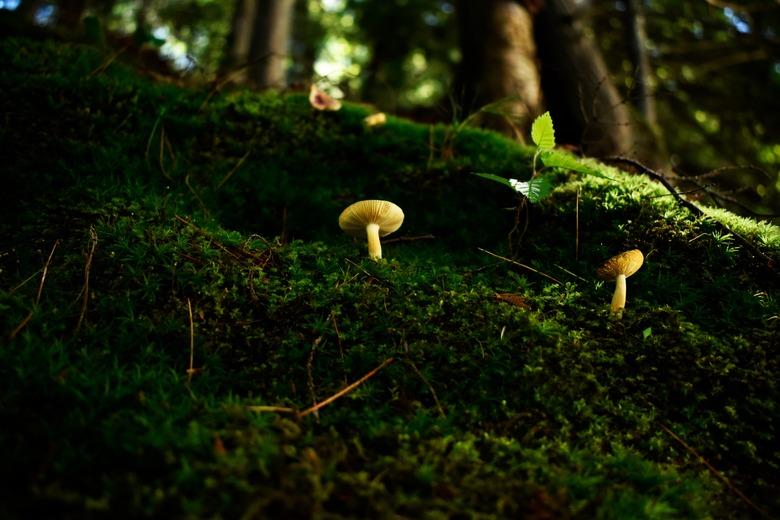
<point>495,178</point>
<point>565,161</point>
<point>543,133</point>
<point>535,189</point>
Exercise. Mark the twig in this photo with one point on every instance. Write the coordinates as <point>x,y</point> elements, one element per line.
<point>409,362</point>
<point>521,265</point>
<point>151,136</point>
<point>108,62</point>
<point>191,370</point>
<point>346,389</point>
<point>770,262</point>
<point>45,270</point>
<point>221,82</point>
<point>21,326</point>
<point>570,273</point>
<point>408,239</point>
<point>87,267</point>
<point>658,177</point>
<point>197,197</point>
<point>712,470</point>
<point>234,169</point>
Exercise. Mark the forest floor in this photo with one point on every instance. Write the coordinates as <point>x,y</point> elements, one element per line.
<point>176,296</point>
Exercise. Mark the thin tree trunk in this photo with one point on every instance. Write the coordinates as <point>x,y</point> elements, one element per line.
<point>498,61</point>
<point>270,42</point>
<point>239,42</point>
<point>637,40</point>
<point>582,99</point>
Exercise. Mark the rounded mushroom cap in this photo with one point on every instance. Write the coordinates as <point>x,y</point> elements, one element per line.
<point>625,263</point>
<point>385,214</point>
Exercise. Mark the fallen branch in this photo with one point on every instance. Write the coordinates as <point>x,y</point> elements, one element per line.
<point>528,267</point>
<point>346,389</point>
<point>712,470</point>
<point>770,262</point>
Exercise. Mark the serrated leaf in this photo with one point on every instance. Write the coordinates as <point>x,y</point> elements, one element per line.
<point>543,133</point>
<point>535,189</point>
<point>495,178</point>
<point>553,159</point>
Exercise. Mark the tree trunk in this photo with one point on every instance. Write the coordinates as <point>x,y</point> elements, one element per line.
<point>270,43</point>
<point>579,93</point>
<point>498,61</point>
<point>637,39</point>
<point>239,41</point>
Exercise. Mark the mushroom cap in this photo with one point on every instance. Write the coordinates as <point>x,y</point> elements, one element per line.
<point>385,214</point>
<point>625,263</point>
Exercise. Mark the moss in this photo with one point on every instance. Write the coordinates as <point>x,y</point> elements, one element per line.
<point>533,404</point>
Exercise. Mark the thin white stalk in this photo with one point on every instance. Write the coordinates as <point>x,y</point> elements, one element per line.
<point>619,298</point>
<point>374,245</point>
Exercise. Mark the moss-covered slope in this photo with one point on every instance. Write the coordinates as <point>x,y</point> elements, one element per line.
<point>512,392</point>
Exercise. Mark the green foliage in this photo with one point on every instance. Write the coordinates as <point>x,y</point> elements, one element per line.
<point>550,409</point>
<point>543,133</point>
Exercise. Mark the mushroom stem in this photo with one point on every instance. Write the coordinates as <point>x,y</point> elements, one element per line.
<point>374,245</point>
<point>619,298</point>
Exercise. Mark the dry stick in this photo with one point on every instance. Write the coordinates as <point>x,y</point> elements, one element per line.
<point>45,270</point>
<point>191,370</point>
<point>505,259</point>
<point>21,326</point>
<point>29,316</point>
<point>108,62</point>
<point>408,239</point>
<point>234,169</point>
<point>24,282</point>
<point>712,470</point>
<point>346,389</point>
<point>687,204</point>
<point>409,362</point>
<point>87,267</point>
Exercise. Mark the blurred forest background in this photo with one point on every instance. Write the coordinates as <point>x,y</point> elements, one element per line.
<point>690,88</point>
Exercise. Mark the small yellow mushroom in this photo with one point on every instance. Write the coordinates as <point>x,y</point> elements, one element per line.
<point>371,219</point>
<point>619,268</point>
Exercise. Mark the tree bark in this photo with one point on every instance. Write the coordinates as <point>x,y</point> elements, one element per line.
<point>637,40</point>
<point>239,41</point>
<point>269,49</point>
<point>498,61</point>
<point>584,103</point>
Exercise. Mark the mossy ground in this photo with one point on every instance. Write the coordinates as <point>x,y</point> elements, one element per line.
<point>510,394</point>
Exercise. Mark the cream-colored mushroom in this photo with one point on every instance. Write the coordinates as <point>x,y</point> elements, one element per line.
<point>371,219</point>
<point>619,268</point>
